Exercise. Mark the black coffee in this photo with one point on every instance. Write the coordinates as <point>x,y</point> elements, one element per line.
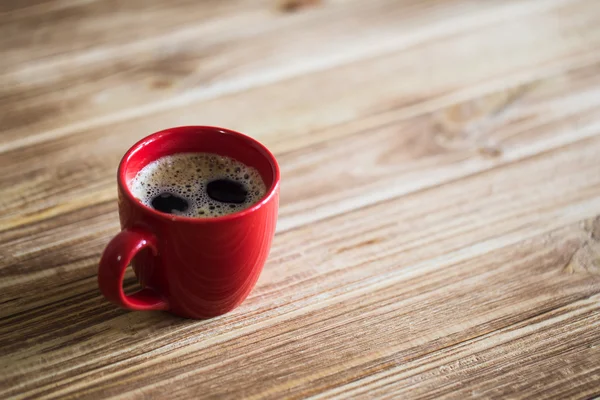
<point>227,191</point>
<point>169,203</point>
<point>198,185</point>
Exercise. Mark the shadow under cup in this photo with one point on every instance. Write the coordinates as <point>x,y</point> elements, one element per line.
<point>194,267</point>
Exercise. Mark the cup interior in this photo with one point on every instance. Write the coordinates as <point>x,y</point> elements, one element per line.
<point>200,139</point>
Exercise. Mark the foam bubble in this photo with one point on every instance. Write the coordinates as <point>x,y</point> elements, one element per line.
<point>187,174</point>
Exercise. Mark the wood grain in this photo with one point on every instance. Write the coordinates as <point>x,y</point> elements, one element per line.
<point>401,236</point>
<point>402,158</point>
<point>93,93</point>
<point>439,232</point>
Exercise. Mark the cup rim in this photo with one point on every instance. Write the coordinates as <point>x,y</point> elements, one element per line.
<point>122,181</point>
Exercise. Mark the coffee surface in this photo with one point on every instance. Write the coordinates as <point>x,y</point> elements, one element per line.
<point>201,185</point>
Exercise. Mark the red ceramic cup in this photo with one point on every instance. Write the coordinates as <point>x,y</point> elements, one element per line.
<point>192,267</point>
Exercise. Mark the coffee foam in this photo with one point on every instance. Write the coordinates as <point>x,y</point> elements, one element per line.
<point>187,174</point>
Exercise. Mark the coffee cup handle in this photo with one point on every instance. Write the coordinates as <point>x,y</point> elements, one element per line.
<point>116,257</point>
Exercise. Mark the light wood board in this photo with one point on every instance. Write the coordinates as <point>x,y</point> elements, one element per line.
<point>439,230</point>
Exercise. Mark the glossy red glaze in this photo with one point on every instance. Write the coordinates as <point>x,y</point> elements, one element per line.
<point>192,267</point>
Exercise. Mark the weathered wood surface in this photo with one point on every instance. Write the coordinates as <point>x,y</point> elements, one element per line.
<point>439,233</point>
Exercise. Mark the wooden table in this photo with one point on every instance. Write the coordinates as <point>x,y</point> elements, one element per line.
<point>439,232</point>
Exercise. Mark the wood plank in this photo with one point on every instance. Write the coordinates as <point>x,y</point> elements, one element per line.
<point>40,32</point>
<point>82,167</point>
<point>563,343</point>
<point>402,158</point>
<point>442,146</point>
<point>12,9</point>
<point>73,98</point>
<point>373,284</point>
<point>279,117</point>
<point>382,258</point>
<point>192,56</point>
<point>478,296</point>
<point>439,233</point>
